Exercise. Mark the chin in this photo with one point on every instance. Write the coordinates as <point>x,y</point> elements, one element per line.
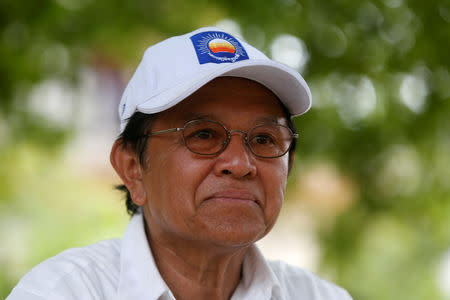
<point>233,233</point>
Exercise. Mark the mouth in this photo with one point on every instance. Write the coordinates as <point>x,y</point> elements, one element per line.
<point>234,196</point>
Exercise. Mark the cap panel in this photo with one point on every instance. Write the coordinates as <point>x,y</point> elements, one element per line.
<point>254,53</point>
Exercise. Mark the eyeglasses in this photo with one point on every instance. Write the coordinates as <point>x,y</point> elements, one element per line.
<point>207,137</point>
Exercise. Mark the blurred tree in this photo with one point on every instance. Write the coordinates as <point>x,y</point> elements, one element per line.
<point>379,72</point>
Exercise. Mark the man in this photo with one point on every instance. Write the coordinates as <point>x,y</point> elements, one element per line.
<point>204,153</point>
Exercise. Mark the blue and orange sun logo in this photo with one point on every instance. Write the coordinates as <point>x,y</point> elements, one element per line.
<point>221,47</point>
<point>217,47</point>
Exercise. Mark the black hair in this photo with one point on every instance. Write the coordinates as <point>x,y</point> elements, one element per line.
<point>134,136</point>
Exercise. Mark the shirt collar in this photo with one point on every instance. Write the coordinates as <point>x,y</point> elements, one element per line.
<point>140,278</point>
<point>258,280</point>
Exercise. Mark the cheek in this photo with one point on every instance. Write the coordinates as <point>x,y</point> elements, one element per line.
<point>174,180</point>
<point>276,174</point>
<point>274,180</point>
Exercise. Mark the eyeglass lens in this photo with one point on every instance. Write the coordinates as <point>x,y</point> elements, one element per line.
<point>210,137</point>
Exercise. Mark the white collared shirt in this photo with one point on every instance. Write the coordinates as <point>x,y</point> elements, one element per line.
<point>124,269</point>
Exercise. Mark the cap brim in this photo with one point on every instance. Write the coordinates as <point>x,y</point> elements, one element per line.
<point>284,82</point>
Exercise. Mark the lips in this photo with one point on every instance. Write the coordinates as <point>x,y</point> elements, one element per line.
<point>234,195</point>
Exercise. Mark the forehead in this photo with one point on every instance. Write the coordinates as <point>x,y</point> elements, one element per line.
<point>229,99</point>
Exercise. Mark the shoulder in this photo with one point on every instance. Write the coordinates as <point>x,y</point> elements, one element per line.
<point>77,273</point>
<point>295,281</point>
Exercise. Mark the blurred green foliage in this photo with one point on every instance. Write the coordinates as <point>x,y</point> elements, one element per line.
<point>394,149</point>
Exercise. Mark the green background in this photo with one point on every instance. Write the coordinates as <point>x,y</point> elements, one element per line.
<point>372,170</point>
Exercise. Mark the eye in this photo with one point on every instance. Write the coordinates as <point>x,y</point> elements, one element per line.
<point>204,134</point>
<point>262,139</point>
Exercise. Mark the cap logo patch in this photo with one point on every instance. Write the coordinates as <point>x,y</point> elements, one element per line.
<point>217,47</point>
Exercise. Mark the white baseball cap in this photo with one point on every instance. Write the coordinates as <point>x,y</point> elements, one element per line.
<point>175,68</point>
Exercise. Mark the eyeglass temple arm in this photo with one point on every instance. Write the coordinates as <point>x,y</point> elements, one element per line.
<point>164,131</point>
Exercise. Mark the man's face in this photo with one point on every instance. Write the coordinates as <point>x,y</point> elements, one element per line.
<point>229,199</point>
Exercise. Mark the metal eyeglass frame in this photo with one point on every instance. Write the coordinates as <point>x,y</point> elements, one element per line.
<point>227,140</point>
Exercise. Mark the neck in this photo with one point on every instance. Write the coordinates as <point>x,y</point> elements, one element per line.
<point>193,271</point>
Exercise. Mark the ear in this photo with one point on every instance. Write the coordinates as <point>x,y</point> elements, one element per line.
<point>127,165</point>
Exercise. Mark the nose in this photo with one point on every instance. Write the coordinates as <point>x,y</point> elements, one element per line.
<point>236,160</point>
